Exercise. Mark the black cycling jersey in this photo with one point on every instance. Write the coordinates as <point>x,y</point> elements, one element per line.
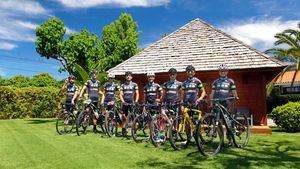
<point>93,89</point>
<point>171,89</point>
<point>151,91</point>
<point>129,88</point>
<point>191,88</point>
<point>223,87</point>
<point>71,89</point>
<point>110,90</point>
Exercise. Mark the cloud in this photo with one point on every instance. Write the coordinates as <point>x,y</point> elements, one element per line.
<point>259,33</point>
<point>24,6</point>
<point>119,3</point>
<point>7,46</point>
<point>69,30</point>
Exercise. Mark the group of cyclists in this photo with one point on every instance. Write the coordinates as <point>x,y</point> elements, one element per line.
<point>173,92</point>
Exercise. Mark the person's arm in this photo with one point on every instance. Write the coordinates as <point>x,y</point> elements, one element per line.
<point>121,95</point>
<point>74,97</point>
<point>234,92</point>
<point>203,93</point>
<point>137,95</point>
<point>64,87</point>
<point>103,97</point>
<point>82,91</point>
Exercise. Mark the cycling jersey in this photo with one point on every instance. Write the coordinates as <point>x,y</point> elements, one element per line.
<point>151,91</point>
<point>129,88</point>
<point>110,90</point>
<point>93,89</point>
<point>171,89</point>
<point>71,89</point>
<point>223,87</point>
<point>191,88</point>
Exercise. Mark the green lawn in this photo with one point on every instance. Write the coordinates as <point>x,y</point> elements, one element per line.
<point>35,144</point>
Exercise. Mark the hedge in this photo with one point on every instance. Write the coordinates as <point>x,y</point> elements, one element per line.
<point>29,102</point>
<point>287,116</point>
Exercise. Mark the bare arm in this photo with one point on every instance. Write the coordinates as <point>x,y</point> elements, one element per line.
<point>103,97</point>
<point>121,96</point>
<point>74,97</point>
<point>64,87</point>
<point>137,95</point>
<point>82,91</point>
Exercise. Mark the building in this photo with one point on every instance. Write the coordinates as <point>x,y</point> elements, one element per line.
<point>200,44</point>
<point>284,82</point>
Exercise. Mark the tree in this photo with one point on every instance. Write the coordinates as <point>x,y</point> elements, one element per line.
<point>291,39</point>
<point>81,49</point>
<point>119,41</point>
<point>44,80</point>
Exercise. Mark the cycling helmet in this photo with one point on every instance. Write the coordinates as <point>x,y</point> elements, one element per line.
<point>223,66</point>
<point>190,68</point>
<point>150,74</point>
<point>112,76</point>
<point>71,77</point>
<point>93,72</point>
<point>172,71</point>
<point>128,73</point>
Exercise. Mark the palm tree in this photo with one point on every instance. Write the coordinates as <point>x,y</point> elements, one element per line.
<point>291,39</point>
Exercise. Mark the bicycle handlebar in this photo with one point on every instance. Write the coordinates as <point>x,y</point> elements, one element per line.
<point>228,98</point>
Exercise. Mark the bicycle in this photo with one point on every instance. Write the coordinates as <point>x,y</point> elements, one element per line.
<point>131,115</point>
<point>160,125</point>
<point>65,120</point>
<point>113,119</point>
<point>140,128</point>
<point>183,127</point>
<point>210,132</point>
<point>85,118</point>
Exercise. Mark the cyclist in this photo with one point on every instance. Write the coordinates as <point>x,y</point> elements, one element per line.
<point>93,88</point>
<point>223,88</point>
<point>129,94</point>
<point>171,92</point>
<point>110,89</point>
<point>191,88</point>
<point>152,92</point>
<point>72,93</point>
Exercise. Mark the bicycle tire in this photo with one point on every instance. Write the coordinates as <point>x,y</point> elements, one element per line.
<point>65,123</point>
<point>81,128</point>
<point>209,135</point>
<point>139,130</point>
<point>241,132</point>
<point>110,123</point>
<point>179,139</point>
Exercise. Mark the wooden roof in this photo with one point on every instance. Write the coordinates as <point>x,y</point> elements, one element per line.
<point>287,78</point>
<point>196,43</point>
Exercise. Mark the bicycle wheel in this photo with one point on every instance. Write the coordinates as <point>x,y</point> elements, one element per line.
<point>241,132</point>
<point>180,133</point>
<point>140,130</point>
<point>64,123</point>
<point>110,123</point>
<point>129,121</point>
<point>101,123</point>
<point>158,131</point>
<point>209,135</point>
<point>82,123</point>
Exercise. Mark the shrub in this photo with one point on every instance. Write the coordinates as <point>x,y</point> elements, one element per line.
<point>287,116</point>
<point>29,102</point>
<point>278,100</point>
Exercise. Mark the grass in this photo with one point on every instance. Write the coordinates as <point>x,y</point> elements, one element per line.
<point>34,143</point>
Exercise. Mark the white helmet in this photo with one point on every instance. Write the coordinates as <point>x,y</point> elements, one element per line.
<point>111,76</point>
<point>223,66</point>
<point>150,74</point>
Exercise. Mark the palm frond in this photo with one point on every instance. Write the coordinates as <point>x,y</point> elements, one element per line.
<point>286,39</point>
<point>84,75</point>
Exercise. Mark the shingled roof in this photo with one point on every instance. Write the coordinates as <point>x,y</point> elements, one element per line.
<point>196,43</point>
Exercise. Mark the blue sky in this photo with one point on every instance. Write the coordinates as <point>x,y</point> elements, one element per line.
<point>253,21</point>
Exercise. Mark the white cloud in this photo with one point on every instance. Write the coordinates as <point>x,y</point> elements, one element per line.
<point>69,30</point>
<point>259,33</point>
<point>7,46</point>
<point>24,6</point>
<point>119,3</point>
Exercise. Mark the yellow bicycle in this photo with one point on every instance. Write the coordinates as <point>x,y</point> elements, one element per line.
<point>183,127</point>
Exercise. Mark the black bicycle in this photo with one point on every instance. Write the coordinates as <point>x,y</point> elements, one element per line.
<point>113,120</point>
<point>140,128</point>
<point>65,120</point>
<point>210,133</point>
<point>134,110</point>
<point>85,118</point>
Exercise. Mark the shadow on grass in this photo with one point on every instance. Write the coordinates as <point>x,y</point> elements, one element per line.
<point>282,154</point>
<point>39,121</point>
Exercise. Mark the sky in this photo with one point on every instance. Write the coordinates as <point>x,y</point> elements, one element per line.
<point>254,22</point>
